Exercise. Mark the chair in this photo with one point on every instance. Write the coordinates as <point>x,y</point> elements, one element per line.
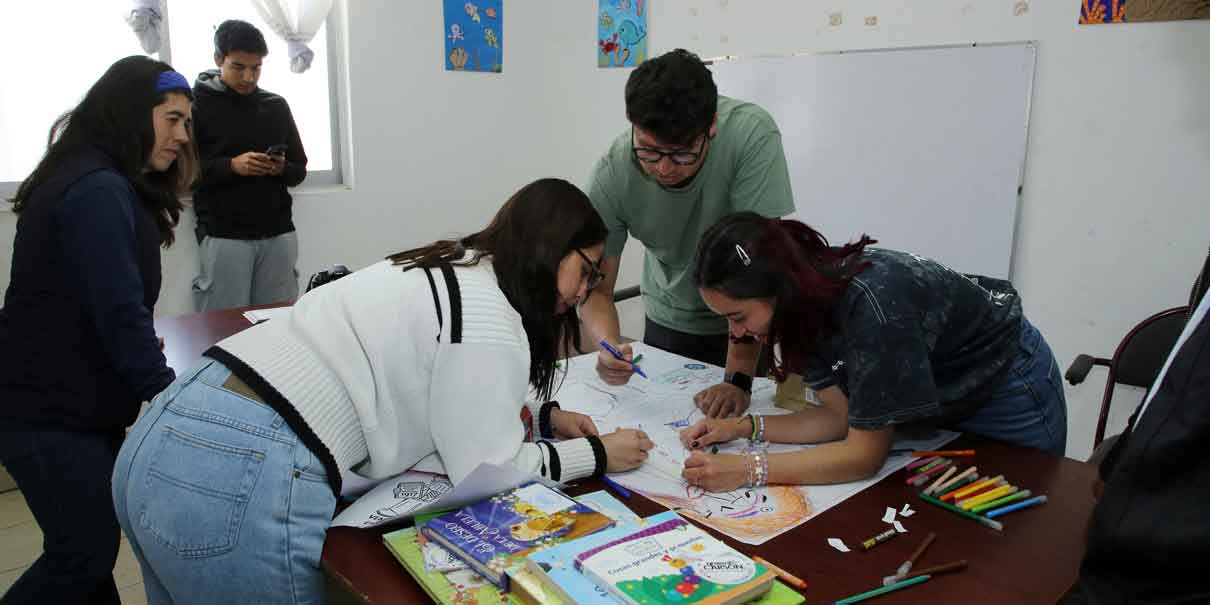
<point>1137,360</point>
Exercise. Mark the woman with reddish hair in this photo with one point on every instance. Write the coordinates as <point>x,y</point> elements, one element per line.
<point>884,337</point>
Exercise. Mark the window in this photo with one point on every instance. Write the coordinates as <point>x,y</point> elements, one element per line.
<point>46,77</point>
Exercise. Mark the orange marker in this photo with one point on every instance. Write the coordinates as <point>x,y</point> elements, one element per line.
<point>790,578</point>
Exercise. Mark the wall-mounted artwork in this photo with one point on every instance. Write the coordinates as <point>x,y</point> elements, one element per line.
<point>1094,12</point>
<point>474,35</point>
<point>621,33</point>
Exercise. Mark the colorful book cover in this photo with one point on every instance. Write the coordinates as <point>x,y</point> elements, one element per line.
<point>558,563</point>
<point>493,534</point>
<point>674,562</point>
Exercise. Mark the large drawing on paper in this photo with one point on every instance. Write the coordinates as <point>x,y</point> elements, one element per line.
<point>662,406</point>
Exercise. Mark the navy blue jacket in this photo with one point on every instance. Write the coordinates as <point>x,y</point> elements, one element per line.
<point>77,343</point>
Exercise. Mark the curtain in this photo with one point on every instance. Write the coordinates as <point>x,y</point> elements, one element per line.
<point>145,18</point>
<point>296,22</point>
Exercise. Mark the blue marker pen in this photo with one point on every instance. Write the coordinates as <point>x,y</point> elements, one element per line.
<point>618,354</point>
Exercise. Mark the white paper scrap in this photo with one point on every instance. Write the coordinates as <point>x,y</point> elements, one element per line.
<point>838,544</point>
<point>889,516</point>
<point>907,511</point>
<point>900,528</point>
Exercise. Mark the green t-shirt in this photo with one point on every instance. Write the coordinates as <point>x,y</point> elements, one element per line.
<point>745,169</point>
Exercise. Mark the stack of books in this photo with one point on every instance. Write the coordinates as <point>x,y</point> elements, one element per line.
<point>540,547</point>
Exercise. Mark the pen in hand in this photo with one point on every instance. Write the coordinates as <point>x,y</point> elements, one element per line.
<point>618,355</point>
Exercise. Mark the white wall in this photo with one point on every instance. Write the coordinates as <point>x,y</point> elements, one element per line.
<point>1113,222</point>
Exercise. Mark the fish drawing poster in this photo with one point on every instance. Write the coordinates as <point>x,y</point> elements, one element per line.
<point>474,35</point>
<point>621,33</point>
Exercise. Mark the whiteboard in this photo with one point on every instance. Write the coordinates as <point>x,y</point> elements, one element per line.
<point>922,148</point>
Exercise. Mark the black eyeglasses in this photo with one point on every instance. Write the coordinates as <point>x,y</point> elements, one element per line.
<point>649,155</point>
<point>595,275</point>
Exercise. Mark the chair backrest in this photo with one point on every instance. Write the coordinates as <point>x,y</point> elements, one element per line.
<point>1140,357</point>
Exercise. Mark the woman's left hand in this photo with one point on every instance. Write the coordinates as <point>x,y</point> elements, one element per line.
<point>716,472</point>
<point>569,425</point>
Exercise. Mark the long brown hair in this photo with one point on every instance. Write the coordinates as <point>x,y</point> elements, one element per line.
<point>116,117</point>
<point>526,240</point>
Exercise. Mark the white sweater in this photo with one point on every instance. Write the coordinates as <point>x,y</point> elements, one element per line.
<point>363,361</point>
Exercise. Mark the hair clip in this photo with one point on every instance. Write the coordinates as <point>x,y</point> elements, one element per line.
<point>743,255</point>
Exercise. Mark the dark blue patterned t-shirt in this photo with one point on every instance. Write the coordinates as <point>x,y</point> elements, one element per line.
<point>916,340</point>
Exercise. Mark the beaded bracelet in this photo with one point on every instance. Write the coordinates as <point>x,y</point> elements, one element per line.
<point>758,466</point>
<point>758,428</point>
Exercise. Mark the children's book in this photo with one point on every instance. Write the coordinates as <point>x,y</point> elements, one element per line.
<point>493,534</point>
<point>674,562</point>
<point>464,587</point>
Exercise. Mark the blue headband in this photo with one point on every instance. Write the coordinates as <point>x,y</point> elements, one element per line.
<point>171,81</point>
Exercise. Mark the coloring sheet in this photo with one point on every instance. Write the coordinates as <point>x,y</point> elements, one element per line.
<point>663,405</point>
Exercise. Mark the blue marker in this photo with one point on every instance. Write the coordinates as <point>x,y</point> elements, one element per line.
<point>623,492</point>
<point>992,514</point>
<point>618,354</point>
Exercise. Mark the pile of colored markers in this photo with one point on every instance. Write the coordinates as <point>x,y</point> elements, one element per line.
<point>979,498</point>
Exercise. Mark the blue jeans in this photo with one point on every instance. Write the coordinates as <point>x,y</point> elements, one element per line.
<point>1028,406</point>
<point>64,477</point>
<point>220,500</point>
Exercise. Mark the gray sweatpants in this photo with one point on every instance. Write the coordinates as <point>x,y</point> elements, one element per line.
<point>242,272</point>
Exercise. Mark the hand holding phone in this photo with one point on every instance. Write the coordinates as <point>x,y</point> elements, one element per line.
<point>277,153</point>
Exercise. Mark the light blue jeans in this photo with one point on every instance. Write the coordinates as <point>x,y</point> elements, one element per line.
<point>220,500</point>
<point>1028,406</point>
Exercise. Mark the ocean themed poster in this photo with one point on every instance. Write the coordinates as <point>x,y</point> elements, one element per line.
<point>621,33</point>
<point>1139,11</point>
<point>474,35</point>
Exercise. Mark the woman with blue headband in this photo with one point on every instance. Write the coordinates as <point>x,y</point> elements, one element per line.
<point>78,350</point>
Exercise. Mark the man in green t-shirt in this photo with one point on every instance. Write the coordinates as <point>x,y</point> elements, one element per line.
<point>689,158</point>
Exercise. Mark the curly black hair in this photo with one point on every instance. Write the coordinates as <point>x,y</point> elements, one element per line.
<point>672,96</point>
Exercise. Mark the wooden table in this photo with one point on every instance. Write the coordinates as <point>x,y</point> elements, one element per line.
<point>1035,559</point>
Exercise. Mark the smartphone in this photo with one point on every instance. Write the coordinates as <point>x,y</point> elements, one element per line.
<point>278,150</point>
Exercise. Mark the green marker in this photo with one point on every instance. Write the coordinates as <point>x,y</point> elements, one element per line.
<point>637,358</point>
<point>1004,500</point>
<point>996,525</point>
<point>885,589</point>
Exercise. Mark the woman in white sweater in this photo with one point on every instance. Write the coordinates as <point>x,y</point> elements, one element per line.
<point>234,471</point>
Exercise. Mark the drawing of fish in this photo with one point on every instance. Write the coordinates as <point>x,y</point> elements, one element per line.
<point>630,33</point>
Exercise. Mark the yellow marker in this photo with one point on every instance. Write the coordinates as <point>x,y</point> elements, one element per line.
<point>987,496</point>
<point>972,488</point>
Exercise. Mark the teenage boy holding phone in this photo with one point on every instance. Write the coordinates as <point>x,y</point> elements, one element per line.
<point>251,153</point>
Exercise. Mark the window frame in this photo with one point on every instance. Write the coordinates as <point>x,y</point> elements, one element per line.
<point>316,179</point>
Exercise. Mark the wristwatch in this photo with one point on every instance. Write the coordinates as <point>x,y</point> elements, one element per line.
<point>739,379</point>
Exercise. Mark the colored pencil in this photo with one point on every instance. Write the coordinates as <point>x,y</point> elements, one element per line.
<point>918,462</point>
<point>790,578</point>
<point>1002,501</point>
<point>945,453</point>
<point>987,496</point>
<point>991,514</point>
<point>880,591</point>
<point>936,569</point>
<point>924,477</point>
<point>945,487</point>
<point>942,479</point>
<point>996,525</point>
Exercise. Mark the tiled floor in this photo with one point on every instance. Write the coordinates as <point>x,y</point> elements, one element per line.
<point>22,542</point>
